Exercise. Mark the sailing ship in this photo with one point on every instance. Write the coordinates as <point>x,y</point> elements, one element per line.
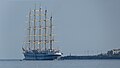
<point>40,37</point>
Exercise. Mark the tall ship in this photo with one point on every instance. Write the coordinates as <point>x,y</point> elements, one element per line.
<point>40,37</point>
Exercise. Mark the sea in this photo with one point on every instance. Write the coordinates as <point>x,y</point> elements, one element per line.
<point>61,64</point>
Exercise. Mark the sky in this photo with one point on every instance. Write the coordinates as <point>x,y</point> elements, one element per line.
<point>82,27</point>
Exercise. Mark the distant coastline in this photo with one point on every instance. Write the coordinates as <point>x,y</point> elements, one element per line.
<point>112,54</point>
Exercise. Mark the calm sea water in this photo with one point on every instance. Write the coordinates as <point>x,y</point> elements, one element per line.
<point>61,64</point>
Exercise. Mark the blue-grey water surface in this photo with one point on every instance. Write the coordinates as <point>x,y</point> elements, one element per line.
<point>61,64</point>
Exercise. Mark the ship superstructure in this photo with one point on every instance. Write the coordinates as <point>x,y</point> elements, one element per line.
<point>40,37</point>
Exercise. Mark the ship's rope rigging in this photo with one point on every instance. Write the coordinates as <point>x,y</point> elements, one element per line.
<point>40,30</point>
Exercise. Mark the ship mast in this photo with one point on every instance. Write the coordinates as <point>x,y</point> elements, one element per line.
<point>45,28</point>
<point>29,29</point>
<point>40,29</point>
<point>51,33</point>
<point>34,27</point>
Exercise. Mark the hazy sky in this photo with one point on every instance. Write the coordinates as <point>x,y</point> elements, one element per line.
<point>80,25</point>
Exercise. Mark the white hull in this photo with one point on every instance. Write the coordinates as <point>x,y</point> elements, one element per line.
<point>42,55</point>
